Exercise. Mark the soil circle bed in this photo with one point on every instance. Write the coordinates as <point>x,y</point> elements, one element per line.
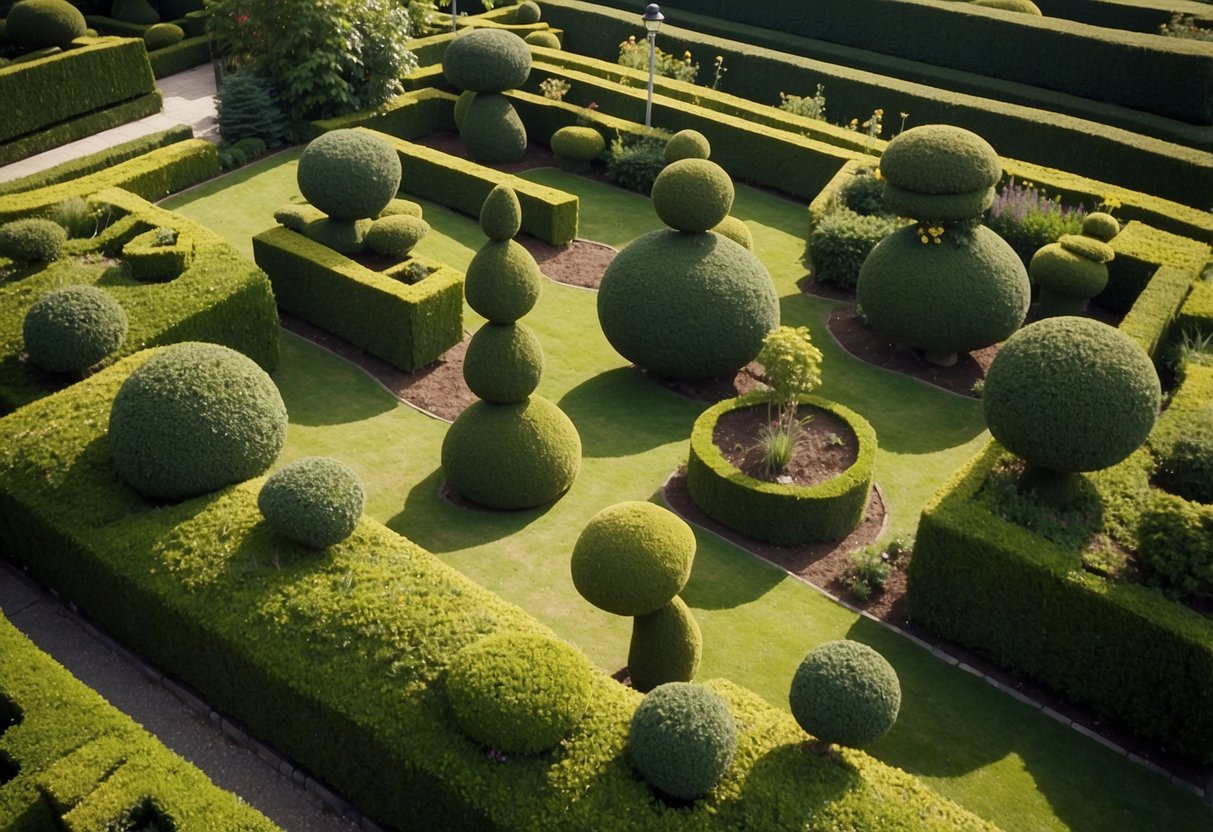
<point>826,445</point>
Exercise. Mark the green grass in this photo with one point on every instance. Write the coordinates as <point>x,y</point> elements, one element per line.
<point>975,745</point>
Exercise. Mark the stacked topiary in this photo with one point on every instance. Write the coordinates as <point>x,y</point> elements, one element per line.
<point>845,692</point>
<point>315,501</point>
<point>687,144</point>
<point>486,63</point>
<point>685,301</point>
<point>71,329</point>
<point>634,558</point>
<point>682,739</point>
<point>948,284</point>
<point>37,24</point>
<point>1074,269</point>
<point>32,240</point>
<point>576,147</point>
<point>512,449</point>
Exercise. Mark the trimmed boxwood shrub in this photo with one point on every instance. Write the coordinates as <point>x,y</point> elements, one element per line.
<point>503,363</point>
<point>682,739</point>
<point>401,207</point>
<point>316,501</point>
<point>502,282</point>
<point>38,23</point>
<point>940,159</point>
<point>349,174</point>
<point>491,130</point>
<point>194,418</point>
<point>160,35</point>
<point>396,234</point>
<point>152,260</point>
<point>501,214</point>
<point>517,692</point>
<point>687,144</point>
<point>548,40</point>
<point>845,692</point>
<point>1186,468</point>
<point>666,647</point>
<point>692,195</point>
<point>1175,543</point>
<point>487,60</point>
<point>841,242</point>
<point>134,11</point>
<point>342,236</point>
<point>1101,226</point>
<point>528,12</point>
<point>33,240</point>
<point>576,146</point>
<point>1067,279</point>
<point>73,328</point>
<point>737,231</point>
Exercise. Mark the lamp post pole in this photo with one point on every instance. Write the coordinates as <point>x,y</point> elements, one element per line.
<point>454,12</point>
<point>652,23</point>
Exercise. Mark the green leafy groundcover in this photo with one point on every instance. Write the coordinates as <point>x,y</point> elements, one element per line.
<point>83,765</point>
<point>338,659</point>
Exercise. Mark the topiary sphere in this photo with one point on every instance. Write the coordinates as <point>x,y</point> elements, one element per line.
<point>1060,270</point>
<point>545,39</point>
<point>845,692</point>
<point>71,329</point>
<point>349,174</point>
<point>682,739</point>
<point>944,298</point>
<point>487,60</point>
<point>1087,247</point>
<point>528,12</point>
<point>687,144</point>
<point>316,501</point>
<point>521,693</point>
<point>1025,6</point>
<point>687,305</point>
<point>940,159</point>
<point>692,195</point>
<point>502,282</point>
<point>134,11</point>
<point>737,231</point>
<point>501,214</point>
<point>193,418</point>
<point>397,207</point>
<point>492,132</point>
<point>396,234</point>
<point>1101,226</point>
<point>36,24</point>
<point>1071,394</point>
<point>511,456</point>
<point>666,647</point>
<point>160,35</point>
<point>632,558</point>
<point>33,240</point>
<point>504,363</point>
<point>577,144</point>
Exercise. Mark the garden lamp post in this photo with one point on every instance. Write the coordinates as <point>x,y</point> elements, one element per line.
<point>454,13</point>
<point>652,23</point>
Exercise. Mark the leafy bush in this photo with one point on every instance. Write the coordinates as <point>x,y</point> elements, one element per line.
<point>863,193</point>
<point>71,329</point>
<point>1028,219</point>
<point>487,60</point>
<point>687,144</point>
<point>692,195</point>
<point>316,501</point>
<point>39,23</point>
<point>1187,467</point>
<point>503,363</point>
<point>633,162</point>
<point>666,647</point>
<point>194,418</point>
<point>491,131</point>
<point>632,558</point>
<point>32,240</point>
<point>349,174</point>
<point>502,282</point>
<point>1175,544</point>
<point>160,35</point>
<point>845,692</point>
<point>251,147</point>
<point>635,55</point>
<point>809,106</point>
<point>842,241</point>
<point>682,739</point>
<point>246,108</point>
<point>396,234</point>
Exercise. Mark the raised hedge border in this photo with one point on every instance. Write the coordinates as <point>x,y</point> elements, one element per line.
<point>338,658</point>
<point>74,762</point>
<point>1140,251</point>
<point>1133,15</point>
<point>412,115</point>
<point>407,325</point>
<point>181,56</point>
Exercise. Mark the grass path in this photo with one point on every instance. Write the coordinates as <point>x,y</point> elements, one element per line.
<point>989,752</point>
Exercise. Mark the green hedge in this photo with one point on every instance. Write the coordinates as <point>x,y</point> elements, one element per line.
<point>407,325</point>
<point>412,115</point>
<point>80,127</point>
<point>1140,251</point>
<point>339,661</point>
<point>1193,395</point>
<point>1196,315</point>
<point>221,297</point>
<point>1149,322</point>
<point>774,513</point>
<point>181,56</point>
<point>1133,15</point>
<point>84,765</point>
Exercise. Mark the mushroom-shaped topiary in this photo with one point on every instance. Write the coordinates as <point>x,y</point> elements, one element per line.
<point>687,144</point>
<point>682,739</point>
<point>36,24</point>
<point>487,60</point>
<point>396,234</point>
<point>1070,272</point>
<point>1070,394</point>
<point>32,240</point>
<point>737,231</point>
<point>528,12</point>
<point>501,214</point>
<point>195,417</point>
<point>632,558</point>
<point>1024,6</point>
<point>545,39</point>
<point>692,195</point>
<point>576,147</point>
<point>160,35</point>
<point>520,693</point>
<point>845,692</point>
<point>349,174</point>
<point>504,363</point>
<point>71,329</point>
<point>666,647</point>
<point>315,501</point>
<point>1101,226</point>
<point>940,159</point>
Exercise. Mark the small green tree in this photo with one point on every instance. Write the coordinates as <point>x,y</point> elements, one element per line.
<point>792,367</point>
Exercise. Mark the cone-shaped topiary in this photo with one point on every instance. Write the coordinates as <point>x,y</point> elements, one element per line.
<point>576,147</point>
<point>160,35</point>
<point>1025,6</point>
<point>504,363</point>
<point>487,60</point>
<point>687,144</point>
<point>349,174</point>
<point>632,558</point>
<point>1101,226</point>
<point>520,693</point>
<point>36,24</point>
<point>692,195</point>
<point>315,501</point>
<point>682,739</point>
<point>545,39</point>
<point>193,418</point>
<point>502,282</point>
<point>528,12</point>
<point>666,646</point>
<point>501,214</point>
<point>71,329</point>
<point>396,234</point>
<point>845,692</point>
<point>491,130</point>
<point>737,231</point>
<point>134,11</point>
<point>32,240</point>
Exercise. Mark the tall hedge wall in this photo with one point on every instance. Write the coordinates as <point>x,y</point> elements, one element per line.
<point>409,116</point>
<point>1133,15</point>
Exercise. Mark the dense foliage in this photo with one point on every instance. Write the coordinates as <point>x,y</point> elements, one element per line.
<point>845,692</point>
<point>33,240</point>
<point>682,739</point>
<point>71,329</point>
<point>316,501</point>
<point>842,241</point>
<point>246,107</point>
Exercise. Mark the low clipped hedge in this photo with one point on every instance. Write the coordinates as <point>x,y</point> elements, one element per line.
<point>180,56</point>
<point>407,325</point>
<point>338,661</point>
<point>772,512</point>
<point>81,764</point>
<point>1140,251</point>
<point>1149,322</point>
<point>1196,315</point>
<point>411,115</point>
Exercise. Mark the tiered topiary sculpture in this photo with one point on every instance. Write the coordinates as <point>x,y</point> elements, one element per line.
<point>487,62</point>
<point>316,501</point>
<point>33,240</point>
<point>576,147</point>
<point>71,329</point>
<point>36,24</point>
<point>682,739</point>
<point>512,449</point>
<point>948,284</point>
<point>634,558</point>
<point>1068,395</point>
<point>687,144</point>
<point>845,692</point>
<point>193,418</point>
<point>686,302</point>
<point>1074,269</point>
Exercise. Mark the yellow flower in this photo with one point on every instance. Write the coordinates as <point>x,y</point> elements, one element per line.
<point>937,241</point>
<point>687,54</point>
<point>925,239</point>
<point>720,59</point>
<point>879,175</point>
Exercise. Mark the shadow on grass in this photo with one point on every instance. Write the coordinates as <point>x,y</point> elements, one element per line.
<point>815,780</point>
<point>619,413</point>
<point>723,577</point>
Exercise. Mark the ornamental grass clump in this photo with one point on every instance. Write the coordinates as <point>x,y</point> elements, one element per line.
<point>791,368</point>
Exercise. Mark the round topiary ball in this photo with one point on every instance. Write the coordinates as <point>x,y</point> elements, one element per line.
<point>845,692</point>
<point>1024,6</point>
<point>160,35</point>
<point>193,418</point>
<point>36,24</point>
<point>502,282</point>
<point>1086,247</point>
<point>33,240</point>
<point>687,144</point>
<point>487,60</point>
<point>692,195</point>
<point>521,693</point>
<point>134,11</point>
<point>511,456</point>
<point>1056,268</point>
<point>1071,394</point>
<point>632,558</point>
<point>737,231</point>
<point>501,214</point>
<point>315,501</point>
<point>349,174</point>
<point>682,739</point>
<point>940,159</point>
<point>1101,226</point>
<point>504,363</point>
<point>666,647</point>
<point>575,147</point>
<point>528,12</point>
<point>491,131</point>
<point>399,206</point>
<point>687,305</point>
<point>545,39</point>
<point>71,329</point>
<point>396,234</point>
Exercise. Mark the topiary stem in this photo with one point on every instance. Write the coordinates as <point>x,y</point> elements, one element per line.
<point>1057,488</point>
